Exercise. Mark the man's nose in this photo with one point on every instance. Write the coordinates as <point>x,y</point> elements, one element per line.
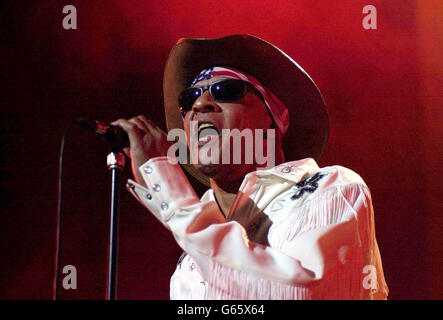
<point>205,103</point>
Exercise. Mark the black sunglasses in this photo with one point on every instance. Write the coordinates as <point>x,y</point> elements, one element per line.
<point>228,90</point>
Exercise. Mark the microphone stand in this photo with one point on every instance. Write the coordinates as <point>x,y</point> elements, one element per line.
<point>115,163</point>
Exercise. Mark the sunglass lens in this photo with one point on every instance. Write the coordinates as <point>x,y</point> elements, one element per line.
<point>228,91</point>
<point>188,97</point>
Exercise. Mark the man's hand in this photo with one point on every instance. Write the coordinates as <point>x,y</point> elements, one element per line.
<point>146,141</point>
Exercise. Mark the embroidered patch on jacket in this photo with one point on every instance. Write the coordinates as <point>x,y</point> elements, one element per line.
<point>308,185</point>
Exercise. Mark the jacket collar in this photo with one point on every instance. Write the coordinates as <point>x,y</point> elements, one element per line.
<point>292,171</point>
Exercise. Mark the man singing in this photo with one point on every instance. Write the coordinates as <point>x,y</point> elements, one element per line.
<point>269,227</point>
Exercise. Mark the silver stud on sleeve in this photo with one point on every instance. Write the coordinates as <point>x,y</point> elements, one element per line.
<point>147,170</point>
<point>148,196</point>
<point>164,206</point>
<point>156,187</point>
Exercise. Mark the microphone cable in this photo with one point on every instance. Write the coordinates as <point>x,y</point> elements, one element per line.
<point>59,212</point>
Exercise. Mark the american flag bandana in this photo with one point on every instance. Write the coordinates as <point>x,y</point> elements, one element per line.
<point>278,110</point>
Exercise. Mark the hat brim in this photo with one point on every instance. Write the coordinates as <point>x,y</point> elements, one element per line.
<point>309,126</point>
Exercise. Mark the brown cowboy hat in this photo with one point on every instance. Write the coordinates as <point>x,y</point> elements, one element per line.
<point>309,126</point>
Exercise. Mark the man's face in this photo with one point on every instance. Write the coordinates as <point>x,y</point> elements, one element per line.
<point>249,112</point>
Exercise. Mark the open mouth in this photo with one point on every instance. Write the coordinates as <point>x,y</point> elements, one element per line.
<point>206,130</point>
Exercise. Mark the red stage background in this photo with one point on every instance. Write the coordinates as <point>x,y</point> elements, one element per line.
<point>382,88</point>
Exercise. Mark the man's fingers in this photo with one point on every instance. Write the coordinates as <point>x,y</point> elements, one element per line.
<point>125,124</point>
<point>132,129</point>
<point>148,123</point>
<point>140,123</point>
<point>151,125</point>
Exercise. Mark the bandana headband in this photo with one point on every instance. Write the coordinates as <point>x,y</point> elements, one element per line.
<point>277,109</point>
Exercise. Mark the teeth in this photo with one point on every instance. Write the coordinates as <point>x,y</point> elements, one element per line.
<point>204,135</point>
<point>205,125</point>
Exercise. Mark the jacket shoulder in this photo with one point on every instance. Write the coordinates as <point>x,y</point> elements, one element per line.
<point>339,175</point>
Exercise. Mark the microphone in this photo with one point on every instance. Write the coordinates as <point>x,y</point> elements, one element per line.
<point>113,134</point>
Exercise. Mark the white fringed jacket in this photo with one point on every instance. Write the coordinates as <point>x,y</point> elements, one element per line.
<point>295,231</point>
